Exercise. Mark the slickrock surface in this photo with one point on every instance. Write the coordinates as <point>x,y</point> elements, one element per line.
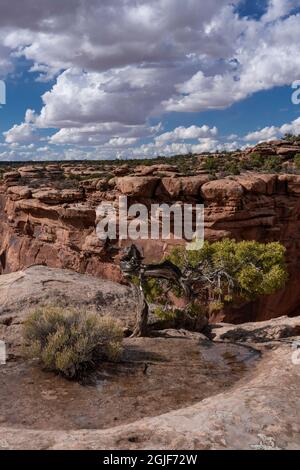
<point>259,332</point>
<point>22,291</point>
<point>277,147</point>
<point>177,389</point>
<point>259,411</point>
<point>156,375</point>
<point>173,390</point>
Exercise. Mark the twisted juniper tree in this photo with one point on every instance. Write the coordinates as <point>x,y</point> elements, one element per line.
<point>224,272</point>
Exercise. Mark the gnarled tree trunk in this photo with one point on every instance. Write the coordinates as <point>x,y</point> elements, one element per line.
<point>142,312</point>
<point>131,265</point>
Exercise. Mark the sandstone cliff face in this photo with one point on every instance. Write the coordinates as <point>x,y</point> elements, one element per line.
<point>48,218</point>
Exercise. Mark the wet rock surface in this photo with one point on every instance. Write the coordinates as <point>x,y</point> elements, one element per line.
<point>174,390</point>
<point>221,399</point>
<point>155,376</point>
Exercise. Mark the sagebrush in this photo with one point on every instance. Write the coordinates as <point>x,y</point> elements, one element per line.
<point>71,342</point>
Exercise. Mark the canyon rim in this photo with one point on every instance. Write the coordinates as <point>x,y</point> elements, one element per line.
<point>149,229</point>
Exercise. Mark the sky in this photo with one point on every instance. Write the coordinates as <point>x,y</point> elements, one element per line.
<point>105,79</point>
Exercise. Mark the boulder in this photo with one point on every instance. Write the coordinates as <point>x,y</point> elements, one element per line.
<point>264,150</point>
<point>19,192</point>
<point>93,244</point>
<point>55,196</point>
<point>101,184</point>
<point>135,186</point>
<point>23,290</point>
<point>292,183</point>
<point>53,170</point>
<point>121,170</point>
<point>288,151</point>
<point>90,184</point>
<point>257,332</point>
<point>11,176</point>
<point>170,187</point>
<point>222,190</point>
<point>191,185</point>
<point>257,183</point>
<point>144,170</point>
<point>38,285</point>
<point>31,171</point>
<point>188,186</point>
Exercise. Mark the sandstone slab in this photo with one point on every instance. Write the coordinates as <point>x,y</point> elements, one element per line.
<point>135,186</point>
<point>260,412</point>
<point>258,332</point>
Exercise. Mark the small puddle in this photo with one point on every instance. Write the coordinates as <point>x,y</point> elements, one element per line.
<point>156,375</point>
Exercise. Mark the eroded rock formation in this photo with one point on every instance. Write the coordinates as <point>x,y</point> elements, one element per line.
<point>48,216</point>
<point>240,393</point>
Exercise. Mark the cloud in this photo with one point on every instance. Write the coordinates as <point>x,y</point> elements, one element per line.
<point>122,141</point>
<point>180,78</point>
<point>266,56</point>
<point>127,96</point>
<point>6,65</point>
<point>21,133</point>
<point>278,9</point>
<point>267,133</point>
<point>96,134</point>
<point>187,133</point>
<point>117,64</point>
<point>205,145</point>
<point>24,132</point>
<point>272,132</point>
<point>100,35</point>
<point>292,127</point>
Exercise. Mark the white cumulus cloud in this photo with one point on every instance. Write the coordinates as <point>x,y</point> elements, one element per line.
<point>118,64</point>
<point>187,133</point>
<point>273,132</point>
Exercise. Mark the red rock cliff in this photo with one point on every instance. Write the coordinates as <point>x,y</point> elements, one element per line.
<point>46,220</point>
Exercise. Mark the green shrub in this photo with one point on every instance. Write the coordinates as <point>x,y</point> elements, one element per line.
<point>297,160</point>
<point>71,342</point>
<point>210,165</point>
<point>232,168</point>
<point>195,310</point>
<point>153,289</point>
<point>291,137</point>
<point>256,160</point>
<point>272,164</point>
<point>264,163</point>
<point>254,268</point>
<point>215,306</point>
<point>167,314</point>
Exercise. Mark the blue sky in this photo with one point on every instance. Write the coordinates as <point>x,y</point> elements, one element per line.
<point>23,91</point>
<point>98,79</point>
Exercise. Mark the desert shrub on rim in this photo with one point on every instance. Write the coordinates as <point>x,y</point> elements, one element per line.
<point>71,342</point>
<point>224,272</point>
<point>297,161</point>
